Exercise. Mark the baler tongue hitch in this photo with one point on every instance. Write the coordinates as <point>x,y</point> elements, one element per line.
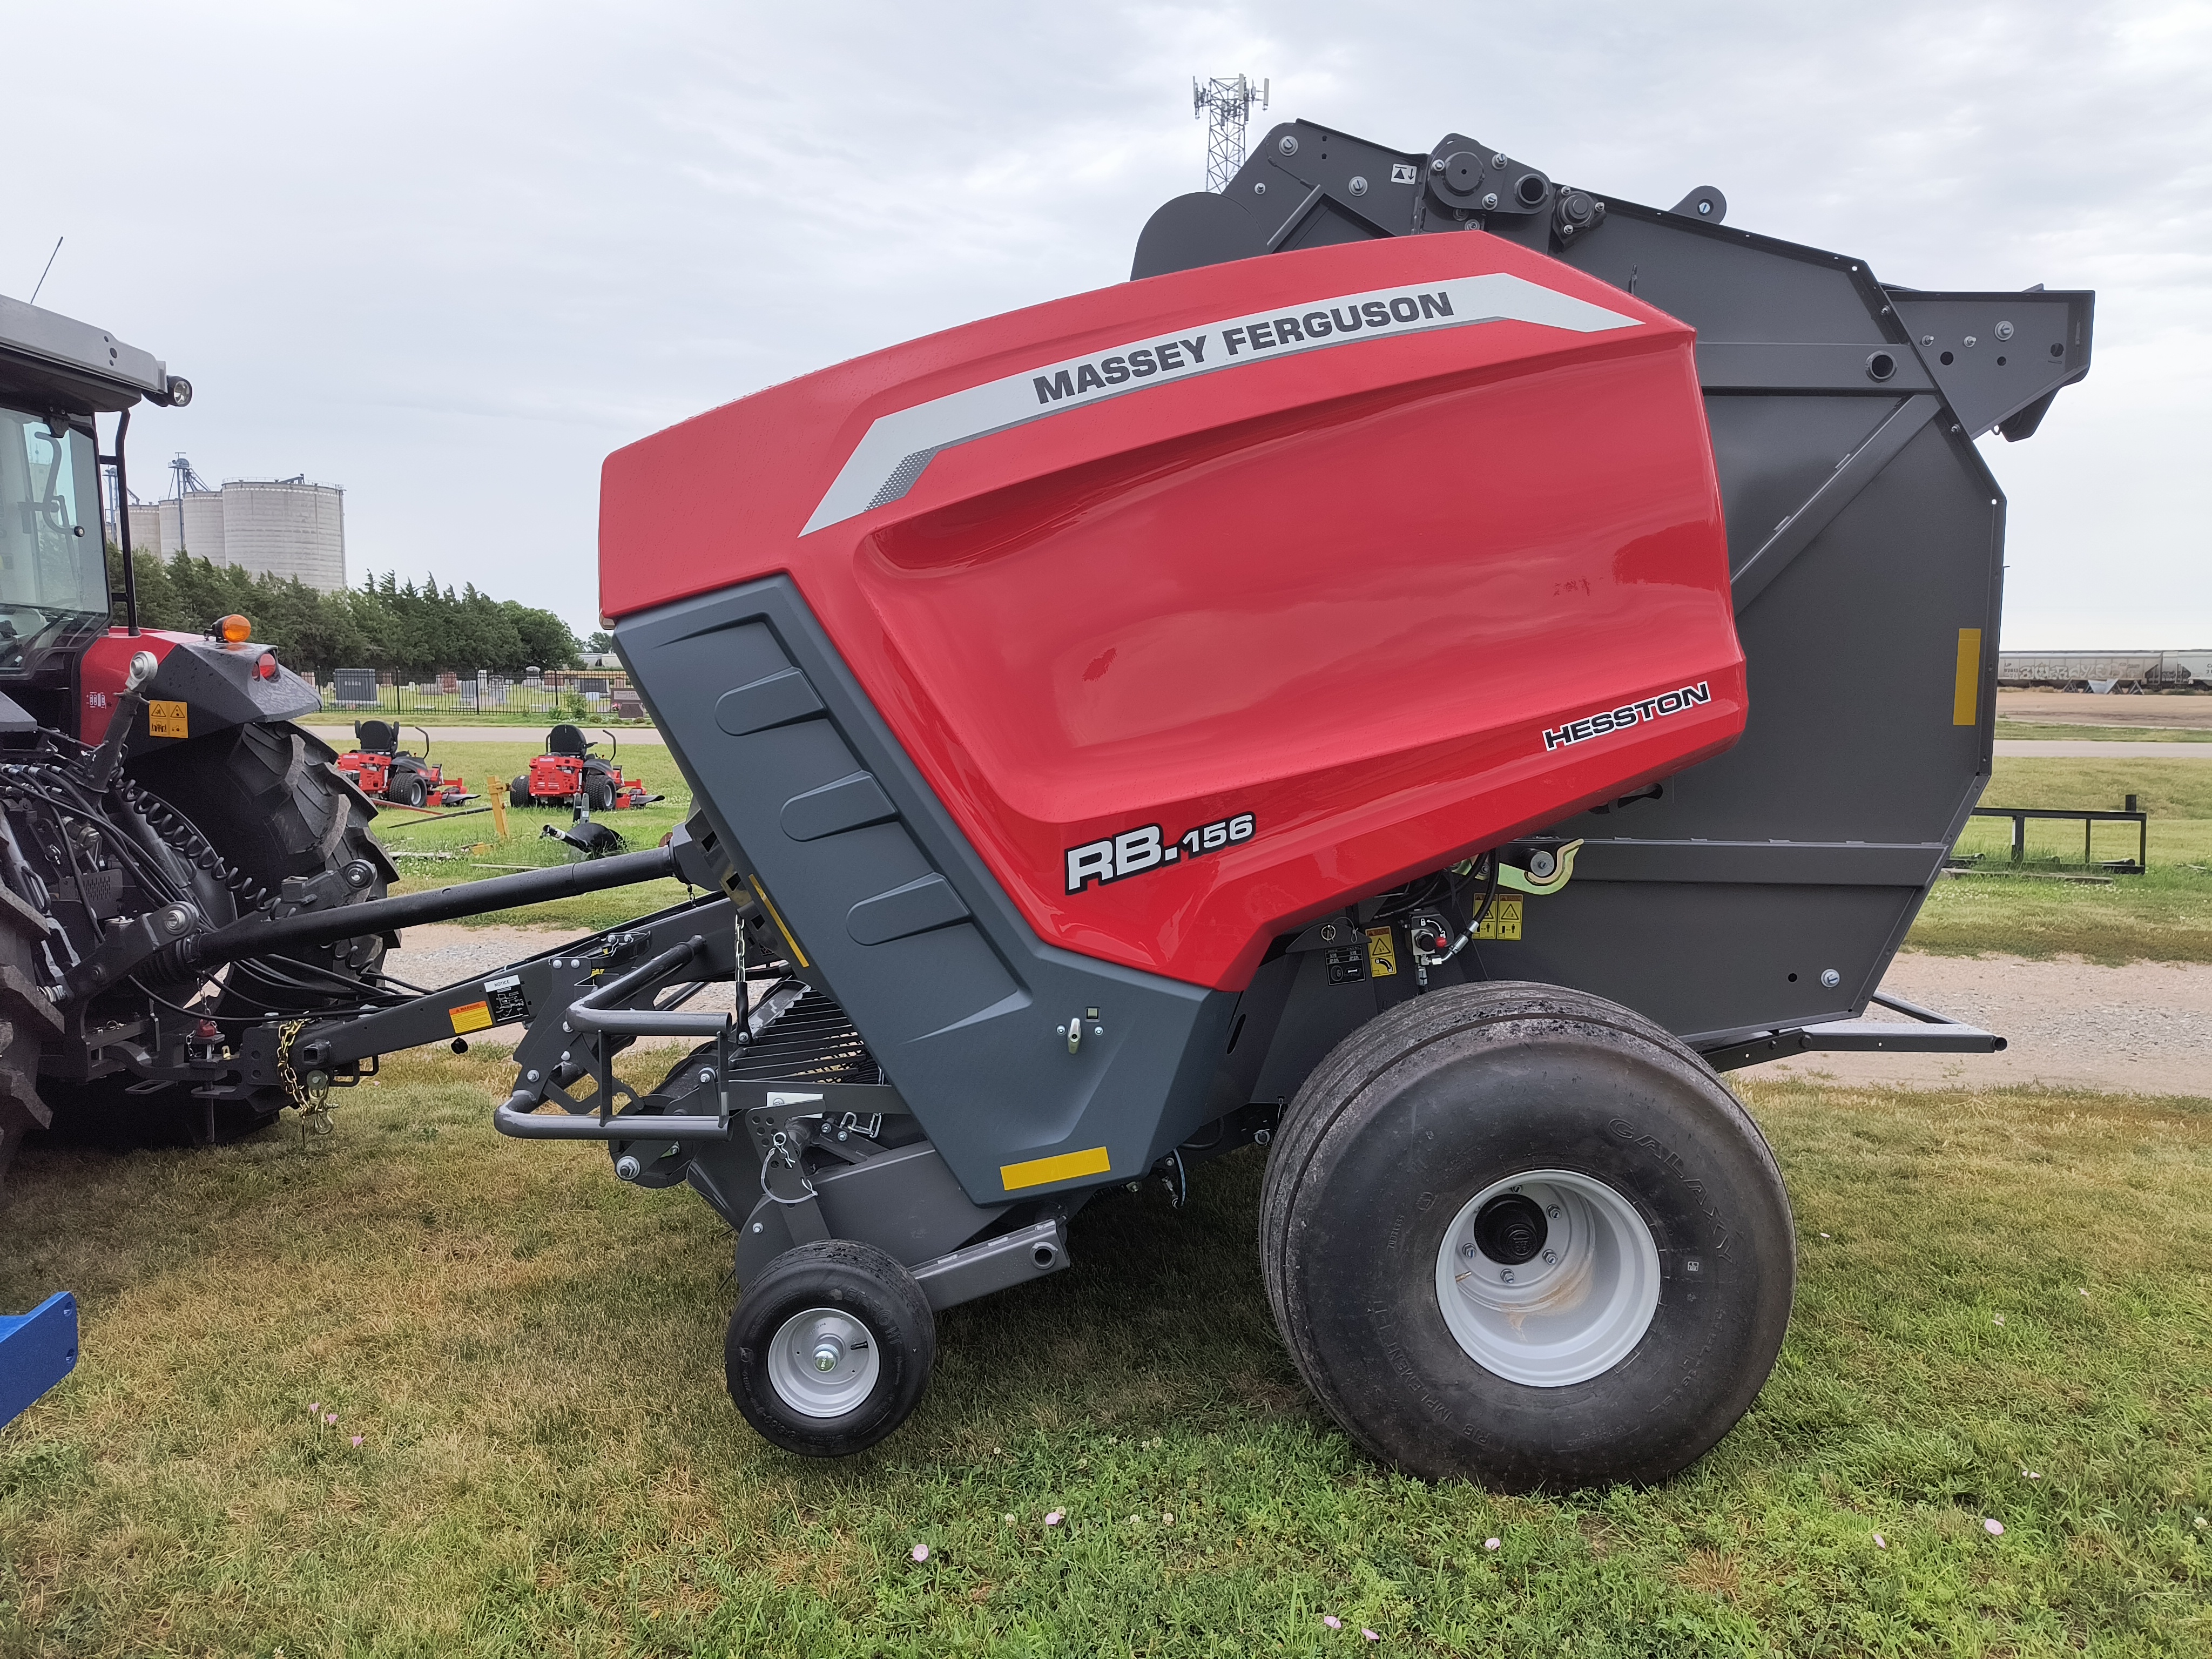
<point>255,936</point>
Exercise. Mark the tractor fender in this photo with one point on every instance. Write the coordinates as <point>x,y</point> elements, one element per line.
<point>211,686</point>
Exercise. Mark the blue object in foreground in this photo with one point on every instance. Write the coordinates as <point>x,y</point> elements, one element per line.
<point>37,1350</point>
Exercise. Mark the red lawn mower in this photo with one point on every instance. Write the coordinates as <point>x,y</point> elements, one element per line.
<point>380,767</point>
<point>569,770</point>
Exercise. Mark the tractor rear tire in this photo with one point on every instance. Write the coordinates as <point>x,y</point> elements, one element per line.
<point>271,805</point>
<point>846,1301</point>
<point>27,1017</point>
<point>1519,1234</point>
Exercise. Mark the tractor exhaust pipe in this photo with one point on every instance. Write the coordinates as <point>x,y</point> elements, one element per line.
<point>255,936</point>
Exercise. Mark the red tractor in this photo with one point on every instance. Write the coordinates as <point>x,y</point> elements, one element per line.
<point>380,767</point>
<point>569,770</point>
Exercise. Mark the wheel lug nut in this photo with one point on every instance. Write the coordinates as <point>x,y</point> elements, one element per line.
<point>1553,1212</point>
<point>1550,1256</point>
<point>1506,1275</point>
<point>1467,1250</point>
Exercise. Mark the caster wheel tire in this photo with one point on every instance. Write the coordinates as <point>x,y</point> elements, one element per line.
<point>1519,1234</point>
<point>830,1348</point>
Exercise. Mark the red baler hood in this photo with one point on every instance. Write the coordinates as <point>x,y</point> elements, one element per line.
<point>1400,548</point>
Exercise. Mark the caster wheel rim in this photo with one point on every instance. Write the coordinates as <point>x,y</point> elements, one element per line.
<point>1548,1278</point>
<point>796,1363</point>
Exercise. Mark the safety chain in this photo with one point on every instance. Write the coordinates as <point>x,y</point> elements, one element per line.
<point>313,1098</point>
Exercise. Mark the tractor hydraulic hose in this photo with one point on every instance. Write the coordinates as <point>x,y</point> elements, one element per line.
<point>255,936</point>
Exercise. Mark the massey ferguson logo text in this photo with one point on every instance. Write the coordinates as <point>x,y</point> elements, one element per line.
<point>1620,719</point>
<point>899,444</point>
<point>1266,334</point>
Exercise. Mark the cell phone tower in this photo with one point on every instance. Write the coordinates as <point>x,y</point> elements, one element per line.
<point>1229,105</point>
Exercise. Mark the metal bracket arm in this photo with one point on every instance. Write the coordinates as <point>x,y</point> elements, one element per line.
<point>1931,1034</point>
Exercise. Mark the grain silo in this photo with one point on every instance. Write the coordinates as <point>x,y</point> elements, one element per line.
<point>145,527</point>
<point>286,527</point>
<point>193,522</point>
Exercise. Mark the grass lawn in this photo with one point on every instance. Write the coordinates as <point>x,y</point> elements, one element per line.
<point>439,852</point>
<point>2043,729</point>
<point>530,1353</point>
<point>2164,915</point>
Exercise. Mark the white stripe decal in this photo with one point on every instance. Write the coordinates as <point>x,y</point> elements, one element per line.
<point>885,463</point>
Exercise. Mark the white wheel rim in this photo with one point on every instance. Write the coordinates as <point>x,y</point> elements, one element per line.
<point>1549,1323</point>
<point>797,1370</point>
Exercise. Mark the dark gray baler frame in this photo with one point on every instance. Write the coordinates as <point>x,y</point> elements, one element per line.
<point>1864,534</point>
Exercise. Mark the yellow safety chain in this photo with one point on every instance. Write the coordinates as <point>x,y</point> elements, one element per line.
<point>313,1098</point>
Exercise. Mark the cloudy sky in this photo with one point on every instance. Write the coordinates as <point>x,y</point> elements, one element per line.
<point>448,256</point>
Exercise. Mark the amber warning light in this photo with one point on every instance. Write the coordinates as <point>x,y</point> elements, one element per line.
<point>234,630</point>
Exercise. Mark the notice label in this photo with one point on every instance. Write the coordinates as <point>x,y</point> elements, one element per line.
<point>1504,921</point>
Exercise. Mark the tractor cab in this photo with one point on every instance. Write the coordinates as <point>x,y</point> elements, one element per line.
<point>57,374</point>
<point>379,766</point>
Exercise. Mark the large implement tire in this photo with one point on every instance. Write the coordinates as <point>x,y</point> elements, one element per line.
<point>271,803</point>
<point>830,1348</point>
<point>1520,1235</point>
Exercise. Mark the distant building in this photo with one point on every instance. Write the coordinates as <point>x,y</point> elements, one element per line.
<point>2104,670</point>
<point>280,527</point>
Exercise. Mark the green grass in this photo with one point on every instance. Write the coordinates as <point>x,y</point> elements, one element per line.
<point>532,1353</point>
<point>439,852</point>
<point>2163,917</point>
<point>2038,730</point>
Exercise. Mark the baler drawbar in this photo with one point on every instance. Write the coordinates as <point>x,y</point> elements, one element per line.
<point>1422,704</point>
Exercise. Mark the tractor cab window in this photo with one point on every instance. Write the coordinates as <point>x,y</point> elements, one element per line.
<point>53,560</point>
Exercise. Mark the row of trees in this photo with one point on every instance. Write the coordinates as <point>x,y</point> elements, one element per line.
<point>385,623</point>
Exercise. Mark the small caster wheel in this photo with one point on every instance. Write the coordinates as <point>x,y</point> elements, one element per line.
<point>830,1348</point>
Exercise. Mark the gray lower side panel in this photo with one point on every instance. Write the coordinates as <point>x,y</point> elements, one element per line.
<point>900,921</point>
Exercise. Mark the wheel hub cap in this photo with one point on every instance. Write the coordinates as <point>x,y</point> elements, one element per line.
<point>1547,1278</point>
<point>823,1363</point>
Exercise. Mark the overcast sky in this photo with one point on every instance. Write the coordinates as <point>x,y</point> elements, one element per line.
<point>449,256</point>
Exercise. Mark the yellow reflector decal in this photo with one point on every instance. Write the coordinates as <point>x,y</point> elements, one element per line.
<point>790,941</point>
<point>1065,1167</point>
<point>470,1017</point>
<point>1966,693</point>
<point>165,720</point>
